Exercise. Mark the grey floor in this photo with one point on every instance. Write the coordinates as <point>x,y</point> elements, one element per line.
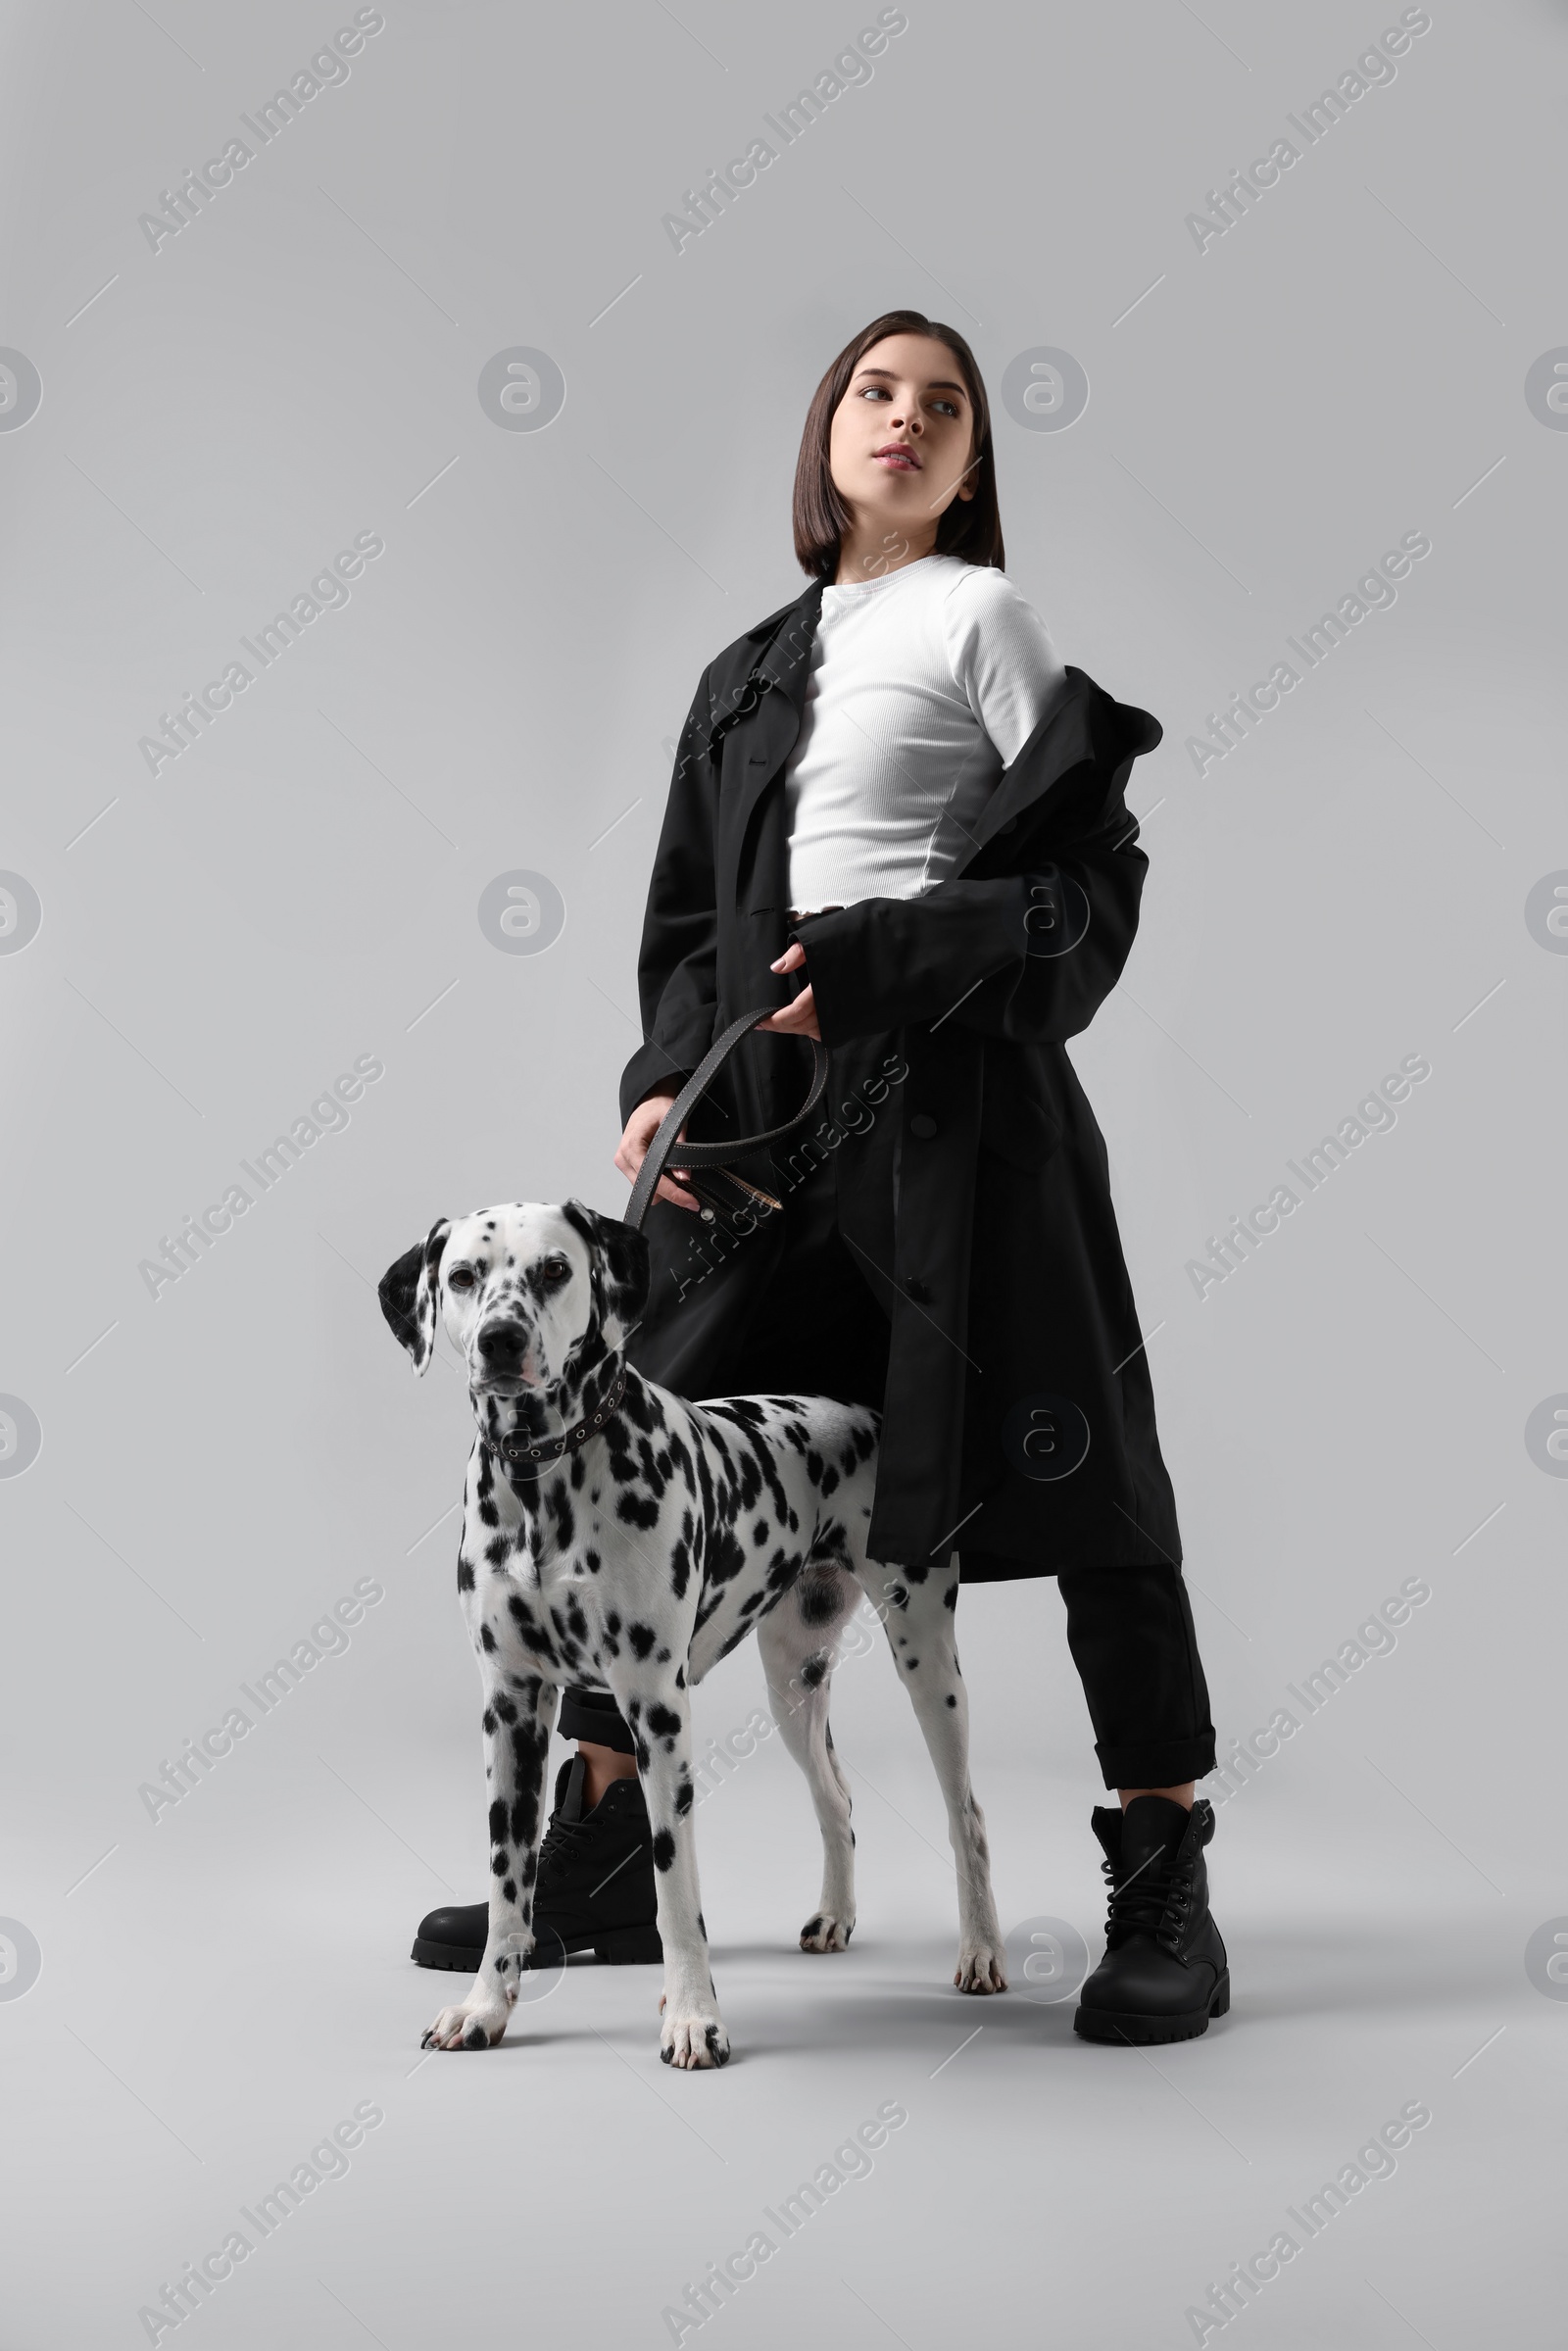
<point>231,1984</point>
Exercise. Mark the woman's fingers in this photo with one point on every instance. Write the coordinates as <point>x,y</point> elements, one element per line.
<point>641,1128</point>
<point>794,1019</point>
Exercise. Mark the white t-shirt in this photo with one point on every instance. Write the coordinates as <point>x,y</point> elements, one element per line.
<point>923,685</point>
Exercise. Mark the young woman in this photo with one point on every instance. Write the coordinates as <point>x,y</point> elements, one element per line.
<point>895,817</point>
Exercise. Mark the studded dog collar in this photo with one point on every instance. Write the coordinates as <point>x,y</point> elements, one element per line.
<point>518,1453</point>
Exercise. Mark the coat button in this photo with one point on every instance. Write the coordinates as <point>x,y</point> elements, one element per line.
<point>916,1288</point>
<point>922,1126</point>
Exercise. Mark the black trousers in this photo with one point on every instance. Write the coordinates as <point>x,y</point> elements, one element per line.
<point>822,1330</point>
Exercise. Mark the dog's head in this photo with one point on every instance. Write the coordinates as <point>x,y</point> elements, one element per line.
<point>532,1297</point>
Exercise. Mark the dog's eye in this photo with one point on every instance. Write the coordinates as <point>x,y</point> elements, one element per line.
<point>557,1269</point>
<point>460,1279</point>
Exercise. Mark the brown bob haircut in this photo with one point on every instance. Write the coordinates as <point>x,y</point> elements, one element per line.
<point>970,527</point>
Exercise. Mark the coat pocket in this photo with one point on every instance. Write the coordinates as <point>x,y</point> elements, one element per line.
<point>1014,1122</point>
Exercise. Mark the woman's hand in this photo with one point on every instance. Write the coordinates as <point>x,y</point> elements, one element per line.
<point>798,1018</point>
<point>641,1128</point>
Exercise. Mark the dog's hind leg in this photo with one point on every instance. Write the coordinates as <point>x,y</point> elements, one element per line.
<point>797,1641</point>
<point>918,1617</point>
<point>519,1712</point>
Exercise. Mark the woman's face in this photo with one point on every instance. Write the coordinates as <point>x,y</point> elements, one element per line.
<point>902,437</point>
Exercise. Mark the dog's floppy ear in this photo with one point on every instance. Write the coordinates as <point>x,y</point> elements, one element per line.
<point>408,1294</point>
<point>620,1268</point>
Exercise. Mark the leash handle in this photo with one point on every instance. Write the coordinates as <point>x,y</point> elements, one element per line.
<point>665,1152</point>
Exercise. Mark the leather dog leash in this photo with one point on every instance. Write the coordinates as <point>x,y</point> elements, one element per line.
<point>665,1150</point>
<point>526,1464</point>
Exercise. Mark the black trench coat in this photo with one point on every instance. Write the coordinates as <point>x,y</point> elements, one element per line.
<point>1018,1419</point>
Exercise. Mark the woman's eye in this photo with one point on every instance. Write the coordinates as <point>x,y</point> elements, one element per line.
<point>949,406</point>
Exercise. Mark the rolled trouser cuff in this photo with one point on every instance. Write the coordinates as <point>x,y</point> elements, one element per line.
<point>1170,1764</point>
<point>593,1714</point>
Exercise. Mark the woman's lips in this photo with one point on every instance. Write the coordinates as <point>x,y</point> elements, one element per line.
<point>898,460</point>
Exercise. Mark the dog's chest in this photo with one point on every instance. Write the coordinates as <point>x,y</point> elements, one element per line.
<point>682,1590</point>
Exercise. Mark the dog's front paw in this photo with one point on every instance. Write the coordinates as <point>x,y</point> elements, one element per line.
<point>472,2025</point>
<point>981,1969</point>
<point>824,1932</point>
<point>692,2042</point>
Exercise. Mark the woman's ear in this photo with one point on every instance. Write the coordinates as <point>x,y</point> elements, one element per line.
<point>408,1294</point>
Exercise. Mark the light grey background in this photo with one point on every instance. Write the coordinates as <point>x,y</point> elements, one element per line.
<point>217,1466</point>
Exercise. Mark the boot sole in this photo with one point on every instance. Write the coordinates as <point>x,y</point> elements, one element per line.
<point>1110,2025</point>
<point>626,1946</point>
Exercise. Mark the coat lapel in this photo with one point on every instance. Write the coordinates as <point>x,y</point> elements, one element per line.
<point>768,726</point>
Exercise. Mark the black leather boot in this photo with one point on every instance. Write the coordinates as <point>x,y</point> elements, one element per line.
<point>1164,1973</point>
<point>596,1887</point>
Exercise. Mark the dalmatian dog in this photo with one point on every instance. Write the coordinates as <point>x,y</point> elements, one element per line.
<point>617,1538</point>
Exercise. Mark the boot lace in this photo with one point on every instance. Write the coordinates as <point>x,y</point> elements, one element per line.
<point>1155,1900</point>
<point>564,1841</point>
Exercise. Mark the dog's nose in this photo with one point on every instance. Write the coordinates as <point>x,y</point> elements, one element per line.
<point>503,1344</point>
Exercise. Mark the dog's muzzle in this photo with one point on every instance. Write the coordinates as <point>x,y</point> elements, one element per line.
<point>526,1462</point>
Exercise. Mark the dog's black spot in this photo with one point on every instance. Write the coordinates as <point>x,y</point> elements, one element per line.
<point>634,1511</point>
<point>949,1598</point>
<point>663,1721</point>
<point>663,1849</point>
<point>487,1638</point>
<point>812,1671</point>
<point>642,1638</point>
<point>498,1822</point>
<point>509,1890</point>
<point>819,1596</point>
<point>684,1795</point>
<point>952,1700</point>
<point>464,1574</point>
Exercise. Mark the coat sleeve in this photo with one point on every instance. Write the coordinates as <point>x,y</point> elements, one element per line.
<point>1027,946</point>
<point>1030,957</point>
<point>676,984</point>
